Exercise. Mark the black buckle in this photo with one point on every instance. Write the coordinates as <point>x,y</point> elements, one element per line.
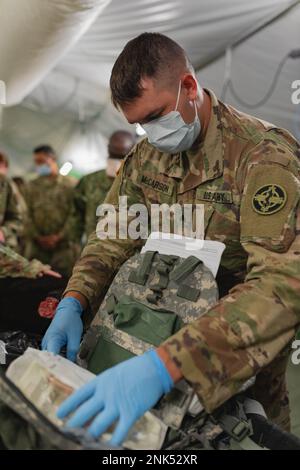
<point>237,428</point>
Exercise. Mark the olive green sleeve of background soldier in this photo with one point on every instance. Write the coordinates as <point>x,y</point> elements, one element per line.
<point>13,224</point>
<point>31,230</point>
<point>75,224</point>
<point>101,258</point>
<point>248,328</point>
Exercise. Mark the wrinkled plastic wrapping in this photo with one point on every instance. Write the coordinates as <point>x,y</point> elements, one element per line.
<point>14,343</point>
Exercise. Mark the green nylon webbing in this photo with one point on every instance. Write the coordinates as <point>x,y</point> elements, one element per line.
<point>141,275</point>
<point>184,269</point>
<point>188,293</point>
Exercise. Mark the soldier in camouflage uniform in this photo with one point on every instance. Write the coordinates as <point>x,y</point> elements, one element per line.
<point>92,189</point>
<point>49,198</point>
<point>19,187</point>
<point>16,183</point>
<point>246,174</point>
<point>4,164</point>
<point>12,264</point>
<point>18,197</point>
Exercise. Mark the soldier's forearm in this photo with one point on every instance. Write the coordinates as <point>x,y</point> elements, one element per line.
<point>171,366</point>
<point>89,284</point>
<point>232,342</point>
<point>14,265</point>
<point>77,295</point>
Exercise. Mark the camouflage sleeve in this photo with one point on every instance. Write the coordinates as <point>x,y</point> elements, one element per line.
<point>74,227</point>
<point>69,230</point>
<point>14,265</point>
<point>30,229</point>
<point>12,225</point>
<point>101,258</point>
<point>248,328</point>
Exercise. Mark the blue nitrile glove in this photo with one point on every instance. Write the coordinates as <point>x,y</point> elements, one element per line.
<point>123,393</point>
<point>65,329</point>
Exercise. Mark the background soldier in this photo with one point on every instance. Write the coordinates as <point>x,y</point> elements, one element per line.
<point>11,223</point>
<point>49,198</point>
<point>19,198</point>
<point>92,189</point>
<point>246,173</point>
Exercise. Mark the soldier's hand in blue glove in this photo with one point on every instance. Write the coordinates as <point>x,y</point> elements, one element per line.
<point>121,394</point>
<point>65,329</point>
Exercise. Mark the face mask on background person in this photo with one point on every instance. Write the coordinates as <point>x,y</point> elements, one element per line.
<point>113,165</point>
<point>169,133</point>
<point>43,170</point>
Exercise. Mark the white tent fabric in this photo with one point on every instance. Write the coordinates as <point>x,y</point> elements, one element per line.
<point>34,35</point>
<point>71,106</point>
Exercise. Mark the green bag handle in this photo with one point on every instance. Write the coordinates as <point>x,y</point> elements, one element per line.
<point>182,271</point>
<point>165,265</point>
<point>141,275</point>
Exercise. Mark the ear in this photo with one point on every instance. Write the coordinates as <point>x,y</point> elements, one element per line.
<point>189,83</point>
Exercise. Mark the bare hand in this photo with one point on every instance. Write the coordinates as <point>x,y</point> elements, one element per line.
<point>49,272</point>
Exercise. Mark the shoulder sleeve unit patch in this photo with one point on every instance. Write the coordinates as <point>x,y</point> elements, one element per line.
<point>269,200</point>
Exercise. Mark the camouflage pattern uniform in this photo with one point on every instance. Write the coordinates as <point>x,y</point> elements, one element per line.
<point>49,201</point>
<point>11,223</point>
<point>22,208</point>
<point>89,193</point>
<point>246,173</point>
<point>20,200</point>
<point>14,265</point>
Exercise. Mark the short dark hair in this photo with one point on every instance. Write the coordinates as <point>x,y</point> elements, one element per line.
<point>123,133</point>
<point>148,55</point>
<point>4,159</point>
<point>45,148</point>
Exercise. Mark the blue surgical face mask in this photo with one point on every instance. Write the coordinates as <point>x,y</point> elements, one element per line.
<point>43,170</point>
<point>169,133</point>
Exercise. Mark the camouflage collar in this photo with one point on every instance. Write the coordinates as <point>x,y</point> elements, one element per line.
<point>204,163</point>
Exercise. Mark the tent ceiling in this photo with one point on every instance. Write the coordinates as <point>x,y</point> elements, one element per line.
<point>202,27</point>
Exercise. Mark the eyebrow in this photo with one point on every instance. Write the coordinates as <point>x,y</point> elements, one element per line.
<point>151,115</point>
